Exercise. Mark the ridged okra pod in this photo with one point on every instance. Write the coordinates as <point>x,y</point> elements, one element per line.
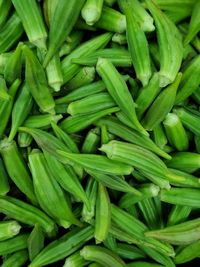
<point>16,259</point>
<point>14,244</point>
<point>75,260</point>
<point>35,241</point>
<point>9,229</point>
<point>5,7</point>
<point>178,214</point>
<point>91,142</point>
<point>4,179</point>
<point>41,121</point>
<point>188,253</point>
<point>91,11</point>
<point>159,136</point>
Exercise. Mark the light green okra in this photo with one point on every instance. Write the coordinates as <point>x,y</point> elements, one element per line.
<point>9,229</point>
<point>35,241</point>
<point>91,11</point>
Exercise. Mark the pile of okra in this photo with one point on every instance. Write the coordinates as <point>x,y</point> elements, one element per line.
<point>99,133</point>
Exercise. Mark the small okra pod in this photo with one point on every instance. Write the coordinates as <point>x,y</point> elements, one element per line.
<point>85,76</point>
<point>143,264</point>
<point>111,20</point>
<point>9,229</point>
<point>159,136</point>
<point>90,104</point>
<point>37,82</point>
<point>190,119</point>
<point>14,208</point>
<point>98,163</point>
<point>75,260</point>
<point>63,20</point>
<point>115,183</point>
<point>5,7</point>
<point>91,142</point>
<point>10,33</point>
<point>178,214</point>
<point>175,132</point>
<point>12,70</point>
<point>170,45</point>
<point>162,105</point>
<point>190,80</point>
<point>85,49</point>
<point>24,139</point>
<point>64,246</point>
<point>4,57</point>
<point>91,11</point>
<point>21,109</point>
<point>102,214</point>
<point>33,23</point>
<point>179,234</point>
<point>119,93</point>
<point>105,138</point>
<point>48,192</point>
<point>41,121</point>
<point>146,191</point>
<point>17,168</point>
<point>16,259</point>
<point>185,161</point>
<point>14,244</point>
<point>74,124</point>
<point>91,193</point>
<point>103,256</point>
<point>119,38</point>
<point>194,25</point>
<point>119,57</point>
<point>54,73</point>
<point>188,253</point>
<point>35,242</point>
<point>130,135</point>
<point>66,177</point>
<point>4,179</point>
<point>130,252</point>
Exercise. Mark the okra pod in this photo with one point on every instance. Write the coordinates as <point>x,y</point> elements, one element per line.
<point>24,139</point>
<point>130,252</point>
<point>35,242</point>
<point>13,244</point>
<point>184,179</point>
<point>75,260</point>
<point>74,39</point>
<point>5,7</point>
<point>143,264</point>
<point>41,121</point>
<point>91,11</point>
<point>119,38</point>
<point>159,136</point>
<point>4,179</point>
<point>178,214</point>
<point>91,142</point>
<point>188,253</point>
<point>9,229</point>
<point>17,259</point>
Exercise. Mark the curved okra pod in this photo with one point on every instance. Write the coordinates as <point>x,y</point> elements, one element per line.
<point>35,241</point>
<point>5,7</point>
<point>118,90</point>
<point>17,168</point>
<point>16,259</point>
<point>37,82</point>
<point>13,244</point>
<point>103,256</point>
<point>4,181</point>
<point>48,192</point>
<point>188,253</point>
<point>128,251</point>
<point>91,11</point>
<point>63,247</point>
<point>170,45</point>
<point>9,229</point>
<point>24,139</point>
<point>159,136</point>
<point>64,18</point>
<point>29,13</point>
<point>162,105</point>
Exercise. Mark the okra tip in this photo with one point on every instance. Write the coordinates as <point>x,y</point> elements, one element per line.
<point>108,149</point>
<point>15,228</point>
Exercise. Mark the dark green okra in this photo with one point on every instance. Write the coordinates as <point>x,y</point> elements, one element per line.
<point>5,7</point>
<point>16,259</point>
<point>35,241</point>
<point>4,179</point>
<point>178,214</point>
<point>13,244</point>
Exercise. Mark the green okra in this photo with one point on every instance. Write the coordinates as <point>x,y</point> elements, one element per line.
<point>75,260</point>
<point>3,90</point>
<point>102,214</point>
<point>110,242</point>
<point>74,124</point>
<point>189,119</point>
<point>91,142</point>
<point>17,168</point>
<point>13,244</point>
<point>91,104</point>
<point>143,264</point>
<point>142,159</point>
<point>97,163</point>
<point>54,73</point>
<point>162,105</point>
<point>178,214</point>
<point>197,143</point>
<point>146,190</point>
<point>194,25</point>
<point>63,247</point>
<point>24,139</point>
<point>10,33</point>
<point>102,256</point>
<point>111,20</point>
<point>37,82</point>
<point>61,109</point>
<point>137,42</point>
<point>21,109</point>
<point>91,193</point>
<point>119,93</point>
<point>105,138</point>
<point>129,252</point>
<point>185,161</point>
<point>33,23</point>
<point>147,95</point>
<point>159,136</point>
<point>5,7</point>
<point>66,177</point>
<point>16,259</point>
<point>12,70</point>
<point>35,242</point>
<point>49,9</point>
<point>4,179</point>
<point>64,18</point>
<point>48,192</point>
<point>88,47</point>
<point>179,234</point>
<point>91,11</point>
<point>119,57</point>
<point>41,121</point>
<point>115,183</point>
<point>188,253</point>
<point>153,48</point>
<point>196,95</point>
<point>85,76</point>
<point>175,132</point>
<point>119,38</point>
<point>170,45</point>
<point>9,229</point>
<point>190,80</point>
